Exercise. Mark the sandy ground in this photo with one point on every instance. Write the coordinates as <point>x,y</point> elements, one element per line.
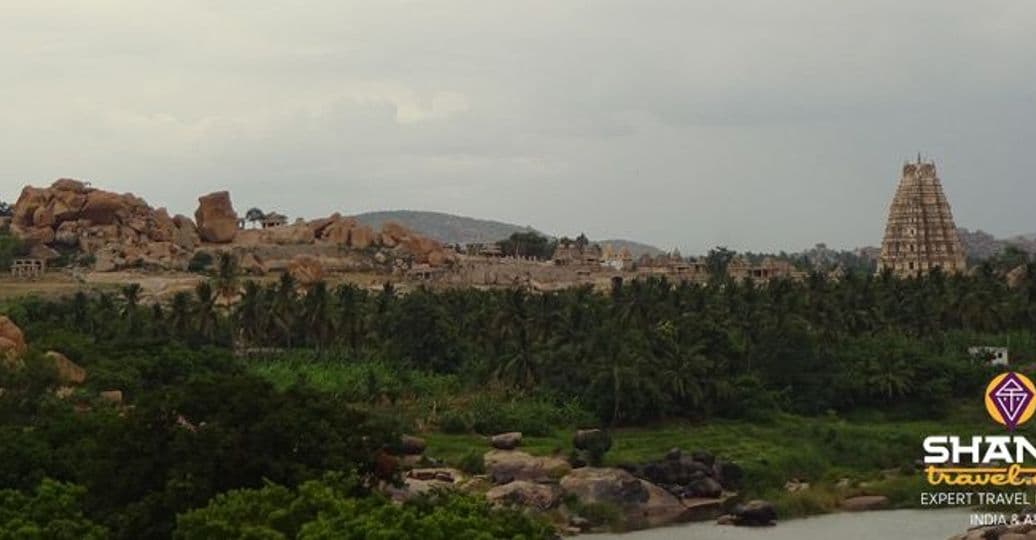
<point>154,286</point>
<point>60,283</point>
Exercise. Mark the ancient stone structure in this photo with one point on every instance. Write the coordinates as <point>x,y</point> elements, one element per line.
<point>28,268</point>
<point>920,235</point>
<point>273,219</point>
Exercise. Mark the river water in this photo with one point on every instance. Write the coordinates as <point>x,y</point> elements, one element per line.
<point>881,525</point>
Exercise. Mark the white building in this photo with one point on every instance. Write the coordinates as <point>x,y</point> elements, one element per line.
<point>996,356</point>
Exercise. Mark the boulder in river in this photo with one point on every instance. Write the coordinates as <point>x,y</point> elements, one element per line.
<point>755,514</point>
<point>864,503</point>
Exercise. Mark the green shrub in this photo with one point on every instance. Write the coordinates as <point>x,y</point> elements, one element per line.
<point>472,463</point>
<point>331,508</point>
<point>454,423</point>
<point>200,262</point>
<point>52,511</point>
<point>11,247</point>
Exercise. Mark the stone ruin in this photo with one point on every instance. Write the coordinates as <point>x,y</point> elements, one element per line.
<point>28,268</point>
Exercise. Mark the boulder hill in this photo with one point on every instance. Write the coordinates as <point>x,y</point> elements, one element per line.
<point>123,231</point>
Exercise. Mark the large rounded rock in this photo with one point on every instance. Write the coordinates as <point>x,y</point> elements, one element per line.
<point>306,270</point>
<point>186,233</point>
<point>215,217</point>
<point>524,493</point>
<point>30,200</point>
<point>593,485</point>
<point>361,237</point>
<point>299,233</point>
<point>395,232</point>
<point>410,445</point>
<point>728,474</point>
<point>755,514</point>
<point>596,440</point>
<point>705,487</point>
<point>68,371</point>
<point>661,508</point>
<point>506,441</point>
<point>103,207</point>
<point>12,341</point>
<point>505,466</point>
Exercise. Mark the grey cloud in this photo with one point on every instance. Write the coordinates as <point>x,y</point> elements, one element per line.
<point>762,125</point>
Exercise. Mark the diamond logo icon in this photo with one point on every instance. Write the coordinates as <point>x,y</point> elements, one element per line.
<point>1011,397</point>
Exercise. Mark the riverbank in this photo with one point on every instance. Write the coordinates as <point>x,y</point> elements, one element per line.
<point>805,465</point>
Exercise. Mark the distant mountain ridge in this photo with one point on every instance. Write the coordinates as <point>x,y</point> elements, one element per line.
<point>454,229</point>
<point>982,245</point>
<point>447,228</point>
<point>636,248</point>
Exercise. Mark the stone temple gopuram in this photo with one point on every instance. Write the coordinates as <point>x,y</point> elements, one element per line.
<point>920,234</point>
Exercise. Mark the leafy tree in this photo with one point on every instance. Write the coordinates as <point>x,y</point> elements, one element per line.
<point>254,215</point>
<point>330,508</point>
<point>528,244</point>
<point>52,511</point>
<point>11,247</point>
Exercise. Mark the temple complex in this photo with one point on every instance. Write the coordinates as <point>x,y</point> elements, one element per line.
<point>920,234</point>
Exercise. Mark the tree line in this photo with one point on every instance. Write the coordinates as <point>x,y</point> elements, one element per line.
<point>647,349</point>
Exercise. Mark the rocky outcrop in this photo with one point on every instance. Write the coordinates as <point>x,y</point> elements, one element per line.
<point>698,474</point>
<point>361,237</point>
<point>642,503</point>
<point>250,263</point>
<point>419,482</point>
<point>864,503</point>
<point>12,341</point>
<point>506,441</point>
<point>754,514</point>
<point>185,233</point>
<point>112,396</point>
<point>1017,277</point>
<point>71,214</point>
<point>68,371</point>
<point>215,217</point>
<point>306,270</point>
<point>525,494</point>
<point>598,485</point>
<point>504,466</point>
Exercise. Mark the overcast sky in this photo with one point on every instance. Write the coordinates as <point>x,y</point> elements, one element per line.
<point>762,125</point>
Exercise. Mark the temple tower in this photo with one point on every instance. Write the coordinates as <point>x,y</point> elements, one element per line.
<point>920,234</point>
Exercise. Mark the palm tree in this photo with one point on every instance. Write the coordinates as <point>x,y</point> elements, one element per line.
<point>131,299</point>
<point>282,309</point>
<point>316,315</point>
<point>226,280</point>
<point>205,312</point>
<point>180,314</point>
<point>249,315</point>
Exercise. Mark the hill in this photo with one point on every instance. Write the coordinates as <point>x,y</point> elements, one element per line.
<point>444,227</point>
<point>636,248</point>
<point>453,229</point>
<point>982,245</point>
